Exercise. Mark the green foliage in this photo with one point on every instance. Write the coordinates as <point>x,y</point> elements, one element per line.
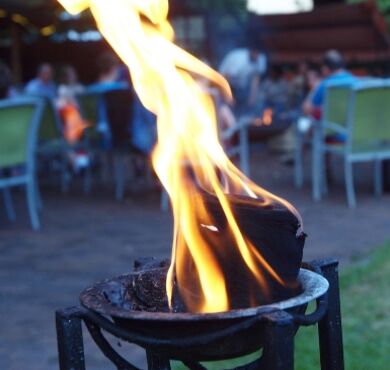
<point>366,323</point>
<point>383,5</point>
<point>233,8</point>
<point>218,5</point>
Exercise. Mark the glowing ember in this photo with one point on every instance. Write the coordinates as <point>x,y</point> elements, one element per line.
<point>267,118</point>
<point>188,158</point>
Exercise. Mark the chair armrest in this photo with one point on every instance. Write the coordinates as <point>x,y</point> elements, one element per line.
<point>242,124</point>
<point>335,127</point>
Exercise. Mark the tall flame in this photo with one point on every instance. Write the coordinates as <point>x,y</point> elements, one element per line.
<point>188,158</point>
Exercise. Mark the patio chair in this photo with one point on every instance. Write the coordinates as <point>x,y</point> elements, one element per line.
<point>241,148</point>
<point>332,123</point>
<point>52,147</point>
<point>88,103</point>
<point>19,124</point>
<point>119,104</point>
<point>119,111</point>
<point>89,108</point>
<point>335,114</point>
<point>367,134</point>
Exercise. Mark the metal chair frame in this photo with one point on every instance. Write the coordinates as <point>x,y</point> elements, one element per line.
<point>346,150</point>
<point>28,178</point>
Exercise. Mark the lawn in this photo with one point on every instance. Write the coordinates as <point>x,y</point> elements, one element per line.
<point>365,301</point>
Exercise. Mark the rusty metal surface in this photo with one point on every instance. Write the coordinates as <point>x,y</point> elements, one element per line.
<point>95,299</point>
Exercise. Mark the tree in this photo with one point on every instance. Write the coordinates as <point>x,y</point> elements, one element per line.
<point>234,8</point>
<point>383,5</point>
<point>219,5</point>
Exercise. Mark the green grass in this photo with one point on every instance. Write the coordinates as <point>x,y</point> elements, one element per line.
<point>365,302</point>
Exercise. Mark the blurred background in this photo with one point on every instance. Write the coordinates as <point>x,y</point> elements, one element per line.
<point>79,200</point>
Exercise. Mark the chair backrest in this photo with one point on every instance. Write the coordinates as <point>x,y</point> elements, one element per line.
<point>118,111</point>
<point>51,127</point>
<point>119,106</point>
<point>19,123</point>
<point>88,104</point>
<point>369,116</point>
<point>336,102</point>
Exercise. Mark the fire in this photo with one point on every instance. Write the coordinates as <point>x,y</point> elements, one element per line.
<point>266,119</point>
<point>188,159</point>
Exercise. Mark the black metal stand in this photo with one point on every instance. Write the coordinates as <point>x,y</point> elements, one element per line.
<point>386,176</point>
<point>280,329</point>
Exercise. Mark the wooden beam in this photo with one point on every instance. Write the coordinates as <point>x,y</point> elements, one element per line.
<point>16,65</point>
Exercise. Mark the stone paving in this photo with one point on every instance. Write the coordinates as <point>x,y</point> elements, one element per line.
<point>87,238</point>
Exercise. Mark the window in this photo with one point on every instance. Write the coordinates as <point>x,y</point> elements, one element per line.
<point>190,33</point>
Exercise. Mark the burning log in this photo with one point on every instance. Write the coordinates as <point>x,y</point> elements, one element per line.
<point>271,230</point>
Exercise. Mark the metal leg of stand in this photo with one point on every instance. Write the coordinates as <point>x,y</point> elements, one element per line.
<point>70,339</point>
<point>386,175</point>
<point>329,328</point>
<point>278,352</point>
<point>157,363</point>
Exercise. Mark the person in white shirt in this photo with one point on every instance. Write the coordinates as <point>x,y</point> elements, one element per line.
<point>74,124</point>
<point>243,68</point>
<point>69,87</point>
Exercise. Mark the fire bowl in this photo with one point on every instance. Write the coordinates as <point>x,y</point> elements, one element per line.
<point>182,336</point>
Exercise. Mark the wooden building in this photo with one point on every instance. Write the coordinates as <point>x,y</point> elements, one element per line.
<point>358,31</point>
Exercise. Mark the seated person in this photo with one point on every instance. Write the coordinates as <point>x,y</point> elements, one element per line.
<point>332,70</point>
<point>109,73</point>
<point>69,86</point>
<point>67,105</point>
<point>243,69</point>
<point>273,92</point>
<point>43,84</point>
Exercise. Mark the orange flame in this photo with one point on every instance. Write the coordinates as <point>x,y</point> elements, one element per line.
<point>164,78</point>
<point>266,119</point>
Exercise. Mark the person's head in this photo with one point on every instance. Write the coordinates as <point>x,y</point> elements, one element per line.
<point>45,73</point>
<point>5,80</point>
<point>332,62</point>
<point>68,75</point>
<point>254,50</point>
<point>254,54</point>
<point>303,67</point>
<point>108,67</point>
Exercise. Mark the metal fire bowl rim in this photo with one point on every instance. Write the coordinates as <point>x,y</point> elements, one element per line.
<point>313,286</point>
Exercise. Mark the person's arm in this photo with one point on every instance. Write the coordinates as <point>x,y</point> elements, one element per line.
<point>228,63</point>
<point>314,100</point>
<point>30,88</point>
<point>224,69</point>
